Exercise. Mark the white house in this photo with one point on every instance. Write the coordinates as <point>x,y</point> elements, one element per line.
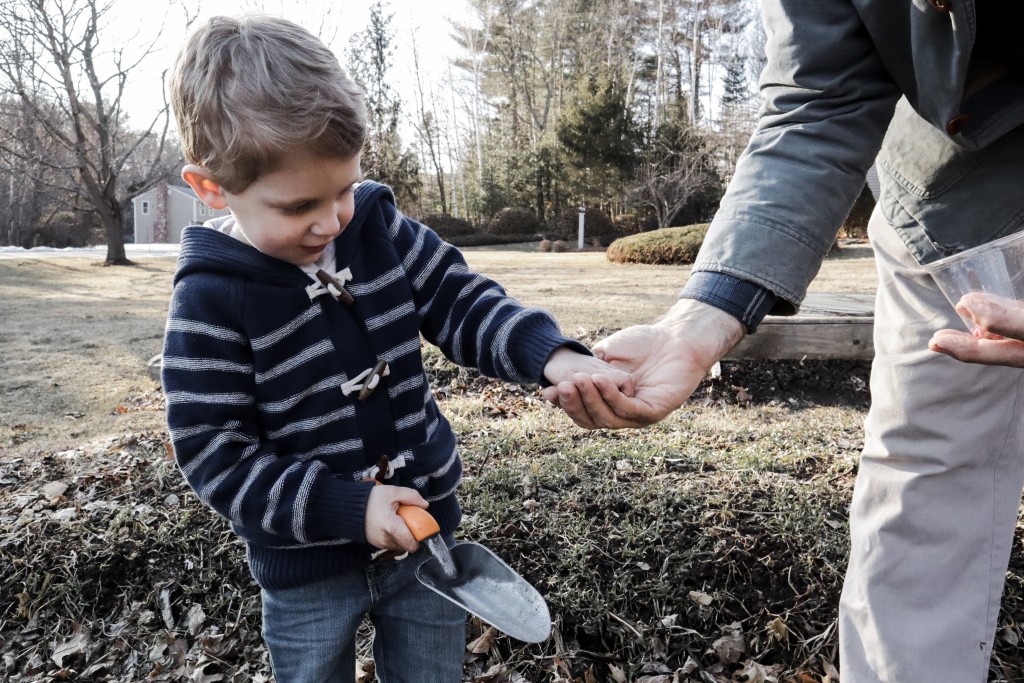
<point>161,213</point>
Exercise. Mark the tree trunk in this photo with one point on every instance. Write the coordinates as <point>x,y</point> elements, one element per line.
<point>113,230</point>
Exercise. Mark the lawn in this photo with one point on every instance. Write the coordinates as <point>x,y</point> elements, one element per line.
<point>709,547</point>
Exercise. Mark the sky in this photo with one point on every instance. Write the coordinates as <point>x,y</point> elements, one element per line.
<point>335,22</point>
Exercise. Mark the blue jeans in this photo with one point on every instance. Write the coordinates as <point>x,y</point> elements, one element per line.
<point>310,631</point>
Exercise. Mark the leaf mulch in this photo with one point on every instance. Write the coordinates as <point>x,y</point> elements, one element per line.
<point>707,549</point>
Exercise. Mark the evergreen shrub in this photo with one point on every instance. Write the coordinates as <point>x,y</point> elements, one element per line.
<point>668,246</point>
<point>597,227</point>
<point>514,220</point>
<point>448,226</point>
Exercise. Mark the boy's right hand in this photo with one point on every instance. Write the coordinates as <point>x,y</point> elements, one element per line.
<point>384,528</point>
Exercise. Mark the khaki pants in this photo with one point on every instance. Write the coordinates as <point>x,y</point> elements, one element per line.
<point>937,494</point>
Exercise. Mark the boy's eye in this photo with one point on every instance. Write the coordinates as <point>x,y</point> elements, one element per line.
<point>297,209</point>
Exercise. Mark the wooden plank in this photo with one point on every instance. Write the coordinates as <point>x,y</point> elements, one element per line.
<point>828,326</point>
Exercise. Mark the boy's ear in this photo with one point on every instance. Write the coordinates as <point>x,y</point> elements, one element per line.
<point>205,186</point>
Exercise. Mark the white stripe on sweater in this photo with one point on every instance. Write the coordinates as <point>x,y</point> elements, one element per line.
<point>197,327</point>
<point>196,430</point>
<point>407,385</point>
<point>233,399</point>
<point>456,269</point>
<point>446,332</point>
<point>430,266</point>
<point>453,458</point>
<point>414,252</point>
<point>373,286</point>
<point>204,364</point>
<point>302,500</point>
<point>499,345</point>
<point>348,446</point>
<point>235,513</point>
<point>404,349</point>
<point>213,446</point>
<point>286,404</point>
<point>485,325</point>
<point>386,318</point>
<point>445,494</point>
<point>320,349</point>
<point>312,423</point>
<point>274,498</point>
<point>410,420</point>
<point>271,338</point>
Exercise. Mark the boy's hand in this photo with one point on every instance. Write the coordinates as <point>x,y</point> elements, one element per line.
<point>384,528</point>
<point>566,365</point>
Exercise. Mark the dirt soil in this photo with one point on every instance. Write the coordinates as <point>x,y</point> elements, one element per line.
<point>688,552</point>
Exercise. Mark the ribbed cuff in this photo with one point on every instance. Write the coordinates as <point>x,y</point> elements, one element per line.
<point>338,510</point>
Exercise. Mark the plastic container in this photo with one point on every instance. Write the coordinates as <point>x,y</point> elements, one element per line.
<point>996,268</point>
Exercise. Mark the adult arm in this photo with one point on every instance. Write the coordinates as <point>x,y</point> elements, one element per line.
<point>827,103</point>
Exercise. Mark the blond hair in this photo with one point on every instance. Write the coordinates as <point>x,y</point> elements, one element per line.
<point>248,91</point>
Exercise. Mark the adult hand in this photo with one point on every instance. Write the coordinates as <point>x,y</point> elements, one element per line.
<point>667,360</point>
<point>998,335</point>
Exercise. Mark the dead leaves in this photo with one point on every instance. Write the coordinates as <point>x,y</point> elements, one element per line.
<point>84,533</point>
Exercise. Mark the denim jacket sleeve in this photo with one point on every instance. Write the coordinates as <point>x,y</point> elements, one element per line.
<point>828,98</point>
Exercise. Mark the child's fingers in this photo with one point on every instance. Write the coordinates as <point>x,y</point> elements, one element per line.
<point>968,349</point>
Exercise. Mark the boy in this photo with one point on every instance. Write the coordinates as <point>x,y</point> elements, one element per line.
<point>292,363</point>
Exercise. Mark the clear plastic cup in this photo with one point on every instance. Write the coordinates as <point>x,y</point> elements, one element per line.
<point>995,268</point>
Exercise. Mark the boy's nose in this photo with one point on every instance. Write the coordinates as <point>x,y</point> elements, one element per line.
<point>327,223</point>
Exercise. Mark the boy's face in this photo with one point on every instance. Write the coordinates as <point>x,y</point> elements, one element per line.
<point>294,211</point>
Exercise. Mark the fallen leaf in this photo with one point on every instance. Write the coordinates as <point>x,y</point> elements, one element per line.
<point>54,489</point>
<point>802,677</point>
<point>484,642</point>
<point>618,675</point>
<point>777,630</point>
<point>752,672</point>
<point>195,619</point>
<point>75,645</point>
<point>731,646</point>
<point>165,609</point>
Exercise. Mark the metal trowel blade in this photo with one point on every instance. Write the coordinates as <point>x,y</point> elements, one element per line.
<point>487,587</point>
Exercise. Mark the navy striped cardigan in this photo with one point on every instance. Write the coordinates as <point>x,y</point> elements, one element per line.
<point>256,356</point>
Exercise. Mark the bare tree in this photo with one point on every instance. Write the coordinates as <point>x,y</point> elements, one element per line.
<point>678,170</point>
<point>52,55</point>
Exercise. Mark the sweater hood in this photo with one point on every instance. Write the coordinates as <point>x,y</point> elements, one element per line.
<point>204,248</point>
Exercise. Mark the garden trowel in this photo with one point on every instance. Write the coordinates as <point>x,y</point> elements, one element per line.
<point>477,580</point>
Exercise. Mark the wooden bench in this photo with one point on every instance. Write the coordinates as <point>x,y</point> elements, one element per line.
<point>828,326</point>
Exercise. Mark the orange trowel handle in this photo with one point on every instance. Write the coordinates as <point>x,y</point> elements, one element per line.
<point>420,522</point>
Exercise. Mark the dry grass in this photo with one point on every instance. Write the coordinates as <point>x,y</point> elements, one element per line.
<point>707,548</point>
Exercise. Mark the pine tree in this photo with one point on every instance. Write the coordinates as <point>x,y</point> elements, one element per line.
<point>370,63</point>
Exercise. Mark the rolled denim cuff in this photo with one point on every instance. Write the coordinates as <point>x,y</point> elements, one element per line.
<point>744,300</point>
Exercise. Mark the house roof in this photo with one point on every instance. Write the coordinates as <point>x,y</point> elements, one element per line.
<point>186,191</point>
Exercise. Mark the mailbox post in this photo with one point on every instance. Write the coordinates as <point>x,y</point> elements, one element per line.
<point>583,214</point>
